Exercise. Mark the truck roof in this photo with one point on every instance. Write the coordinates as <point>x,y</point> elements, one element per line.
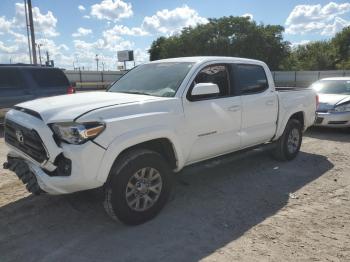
<point>197,59</point>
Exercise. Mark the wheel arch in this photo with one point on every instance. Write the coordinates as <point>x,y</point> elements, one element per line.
<point>163,143</point>
<point>297,115</point>
<point>300,116</point>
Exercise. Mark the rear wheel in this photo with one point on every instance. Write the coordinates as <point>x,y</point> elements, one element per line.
<point>288,145</point>
<point>139,187</point>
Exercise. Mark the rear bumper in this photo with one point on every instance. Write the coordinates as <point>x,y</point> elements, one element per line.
<point>333,119</point>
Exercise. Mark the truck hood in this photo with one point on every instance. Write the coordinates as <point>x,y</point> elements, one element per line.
<point>329,101</point>
<point>70,107</point>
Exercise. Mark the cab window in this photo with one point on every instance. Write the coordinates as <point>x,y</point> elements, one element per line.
<point>215,74</point>
<point>251,79</point>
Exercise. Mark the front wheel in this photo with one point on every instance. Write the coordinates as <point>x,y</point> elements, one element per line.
<point>288,145</point>
<point>140,185</point>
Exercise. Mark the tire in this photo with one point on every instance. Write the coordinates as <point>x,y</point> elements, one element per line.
<point>139,187</point>
<point>288,145</point>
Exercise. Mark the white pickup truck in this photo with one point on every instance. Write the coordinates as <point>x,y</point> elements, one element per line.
<point>151,123</point>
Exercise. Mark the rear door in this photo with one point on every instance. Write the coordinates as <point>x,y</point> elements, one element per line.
<point>48,81</point>
<point>259,104</point>
<point>13,89</point>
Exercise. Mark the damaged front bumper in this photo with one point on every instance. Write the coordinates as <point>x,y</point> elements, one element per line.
<point>24,173</point>
<point>65,169</point>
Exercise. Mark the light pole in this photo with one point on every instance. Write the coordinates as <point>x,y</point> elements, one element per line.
<point>97,59</point>
<point>39,45</point>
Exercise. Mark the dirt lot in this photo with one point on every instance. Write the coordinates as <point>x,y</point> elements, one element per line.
<point>243,208</point>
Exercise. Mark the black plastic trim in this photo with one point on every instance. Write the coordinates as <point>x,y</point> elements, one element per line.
<point>28,111</point>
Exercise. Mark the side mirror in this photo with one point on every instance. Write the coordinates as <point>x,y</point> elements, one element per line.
<point>205,90</point>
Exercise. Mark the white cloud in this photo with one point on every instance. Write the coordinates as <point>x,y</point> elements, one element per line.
<point>85,52</point>
<point>249,15</point>
<point>141,55</point>
<point>81,8</point>
<point>337,25</point>
<point>7,48</point>
<point>44,24</point>
<point>82,32</point>
<point>325,19</point>
<point>15,48</point>
<point>124,30</point>
<point>112,10</point>
<point>172,21</point>
<point>86,16</point>
<point>5,25</point>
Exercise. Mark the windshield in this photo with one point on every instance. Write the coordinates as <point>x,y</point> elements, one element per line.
<point>341,87</point>
<point>156,79</point>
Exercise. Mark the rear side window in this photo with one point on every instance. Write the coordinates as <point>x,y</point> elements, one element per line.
<point>49,77</point>
<point>9,78</point>
<point>251,78</point>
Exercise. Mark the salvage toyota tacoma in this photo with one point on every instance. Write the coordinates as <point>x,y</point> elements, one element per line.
<point>158,118</point>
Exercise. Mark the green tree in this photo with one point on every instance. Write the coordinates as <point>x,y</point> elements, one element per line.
<point>156,48</point>
<point>341,43</point>
<point>226,36</point>
<point>319,55</point>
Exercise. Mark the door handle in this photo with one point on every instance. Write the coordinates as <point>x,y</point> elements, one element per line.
<point>270,103</point>
<point>234,108</point>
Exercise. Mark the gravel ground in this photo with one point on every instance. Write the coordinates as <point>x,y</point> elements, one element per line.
<point>246,207</point>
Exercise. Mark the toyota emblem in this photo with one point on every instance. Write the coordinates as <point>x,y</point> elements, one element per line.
<point>19,136</point>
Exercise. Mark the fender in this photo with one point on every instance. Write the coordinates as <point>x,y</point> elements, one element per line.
<point>284,118</point>
<point>135,137</point>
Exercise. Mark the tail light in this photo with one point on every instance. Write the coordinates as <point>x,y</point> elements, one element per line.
<point>317,101</point>
<point>70,90</point>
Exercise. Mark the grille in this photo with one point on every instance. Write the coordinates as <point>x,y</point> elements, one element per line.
<point>26,140</point>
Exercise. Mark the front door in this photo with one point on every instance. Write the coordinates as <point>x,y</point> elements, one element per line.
<point>214,122</point>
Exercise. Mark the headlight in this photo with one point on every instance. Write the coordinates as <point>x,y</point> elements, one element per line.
<point>77,133</point>
<point>342,108</point>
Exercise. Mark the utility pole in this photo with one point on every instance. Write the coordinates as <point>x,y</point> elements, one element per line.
<point>27,29</point>
<point>103,66</point>
<point>31,25</point>
<point>97,59</point>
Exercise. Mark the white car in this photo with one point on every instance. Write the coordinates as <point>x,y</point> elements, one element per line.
<point>154,121</point>
<point>334,106</point>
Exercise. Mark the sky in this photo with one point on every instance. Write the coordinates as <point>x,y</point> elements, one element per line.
<point>75,31</point>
